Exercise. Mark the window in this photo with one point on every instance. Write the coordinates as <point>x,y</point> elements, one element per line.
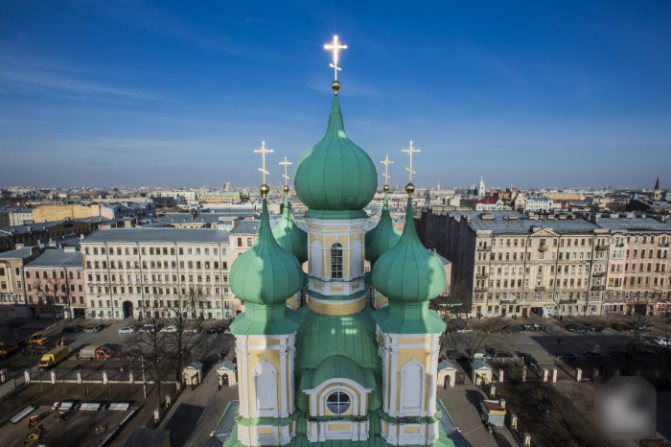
<point>336,261</point>
<point>338,402</point>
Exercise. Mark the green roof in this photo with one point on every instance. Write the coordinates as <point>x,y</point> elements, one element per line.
<point>408,272</point>
<point>289,236</point>
<point>266,273</point>
<point>336,174</point>
<point>382,237</point>
<point>340,367</point>
<point>401,318</point>
<point>260,319</point>
<point>323,336</point>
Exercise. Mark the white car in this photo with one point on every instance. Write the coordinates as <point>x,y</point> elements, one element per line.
<point>127,330</point>
<point>169,329</point>
<point>662,341</point>
<point>464,331</point>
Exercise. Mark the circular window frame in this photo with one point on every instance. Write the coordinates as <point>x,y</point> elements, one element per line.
<point>340,404</point>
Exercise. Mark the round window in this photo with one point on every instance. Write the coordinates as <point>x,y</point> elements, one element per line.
<point>338,402</point>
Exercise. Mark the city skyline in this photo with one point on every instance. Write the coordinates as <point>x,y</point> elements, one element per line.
<point>532,95</point>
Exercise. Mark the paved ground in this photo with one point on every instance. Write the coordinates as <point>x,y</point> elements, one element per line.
<point>197,411</point>
<point>462,403</point>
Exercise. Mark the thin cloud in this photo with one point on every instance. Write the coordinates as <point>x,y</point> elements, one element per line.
<point>49,81</point>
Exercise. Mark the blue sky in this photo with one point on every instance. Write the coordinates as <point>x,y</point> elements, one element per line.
<point>553,93</point>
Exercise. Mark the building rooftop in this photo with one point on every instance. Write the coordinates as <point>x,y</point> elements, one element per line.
<point>56,258</point>
<point>161,235</point>
<point>633,223</point>
<point>514,222</point>
<point>19,253</point>
<point>247,227</point>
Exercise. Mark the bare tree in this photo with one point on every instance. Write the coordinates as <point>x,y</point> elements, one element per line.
<point>52,291</point>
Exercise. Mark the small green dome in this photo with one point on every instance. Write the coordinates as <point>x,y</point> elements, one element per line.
<point>289,236</point>
<point>382,237</point>
<point>408,272</point>
<point>266,273</point>
<point>336,174</point>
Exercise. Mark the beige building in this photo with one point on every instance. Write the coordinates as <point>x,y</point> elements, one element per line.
<point>639,274</point>
<point>55,285</point>
<point>160,271</point>
<point>51,213</point>
<point>506,264</point>
<point>12,280</point>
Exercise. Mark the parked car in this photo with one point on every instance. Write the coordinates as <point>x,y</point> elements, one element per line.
<point>147,329</point>
<point>190,330</point>
<point>54,357</point>
<point>166,330</point>
<point>36,339</point>
<point>663,341</point>
<point>464,330</point>
<point>597,329</point>
<point>228,332</point>
<point>576,328</point>
<point>127,330</point>
<point>72,329</point>
<point>93,329</point>
<point>214,330</point>
<point>481,356</point>
<point>7,349</point>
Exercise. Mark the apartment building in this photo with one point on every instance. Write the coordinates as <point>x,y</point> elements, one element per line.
<point>508,264</point>
<point>12,281</point>
<point>639,274</point>
<point>55,284</point>
<point>159,272</point>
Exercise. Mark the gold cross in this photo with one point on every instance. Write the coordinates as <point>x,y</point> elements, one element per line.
<point>410,150</point>
<point>386,162</point>
<point>335,47</point>
<point>285,164</point>
<point>263,150</point>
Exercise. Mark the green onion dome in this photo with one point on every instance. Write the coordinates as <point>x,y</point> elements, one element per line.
<point>289,236</point>
<point>408,272</point>
<point>336,174</point>
<point>266,273</point>
<point>382,237</point>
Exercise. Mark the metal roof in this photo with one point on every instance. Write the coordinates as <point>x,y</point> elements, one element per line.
<point>56,258</point>
<point>160,235</point>
<point>19,253</point>
<point>633,224</point>
<point>500,222</point>
<point>247,227</point>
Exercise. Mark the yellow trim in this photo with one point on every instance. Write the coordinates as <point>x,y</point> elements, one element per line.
<point>335,308</point>
<point>411,429</point>
<point>266,430</point>
<point>339,426</point>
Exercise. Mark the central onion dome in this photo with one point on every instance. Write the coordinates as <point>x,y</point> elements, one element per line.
<point>266,273</point>
<point>408,272</point>
<point>336,174</point>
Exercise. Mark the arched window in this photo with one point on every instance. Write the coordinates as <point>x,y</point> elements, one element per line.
<point>336,261</point>
<point>412,378</point>
<point>265,389</point>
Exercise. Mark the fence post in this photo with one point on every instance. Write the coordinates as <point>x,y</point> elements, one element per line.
<point>53,377</point>
<point>104,377</point>
<point>546,375</point>
<point>578,374</point>
<point>524,374</point>
<point>554,375</point>
<point>26,376</point>
<point>501,374</point>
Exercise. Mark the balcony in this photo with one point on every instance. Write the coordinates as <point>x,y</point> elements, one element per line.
<point>484,248</point>
<point>481,276</point>
<point>540,289</point>
<point>481,289</point>
<point>568,300</point>
<point>598,288</point>
<point>508,300</point>
<point>599,274</point>
<point>601,247</point>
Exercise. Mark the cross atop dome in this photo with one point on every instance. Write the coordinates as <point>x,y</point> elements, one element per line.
<point>335,47</point>
<point>386,162</point>
<point>263,150</point>
<point>410,150</point>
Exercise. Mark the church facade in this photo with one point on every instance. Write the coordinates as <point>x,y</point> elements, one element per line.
<point>355,362</point>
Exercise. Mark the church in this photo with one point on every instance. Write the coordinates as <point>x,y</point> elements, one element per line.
<point>337,356</point>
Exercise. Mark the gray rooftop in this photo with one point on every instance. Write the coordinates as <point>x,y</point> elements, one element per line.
<point>182,218</point>
<point>633,224</point>
<point>19,253</point>
<point>56,258</point>
<point>160,235</point>
<point>501,223</point>
<point>247,227</point>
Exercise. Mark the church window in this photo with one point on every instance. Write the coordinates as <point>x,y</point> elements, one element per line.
<point>336,261</point>
<point>338,402</point>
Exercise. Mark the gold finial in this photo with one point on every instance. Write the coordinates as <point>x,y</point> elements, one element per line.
<point>410,150</point>
<point>263,150</point>
<point>386,162</point>
<point>285,164</point>
<point>385,188</point>
<point>335,47</point>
